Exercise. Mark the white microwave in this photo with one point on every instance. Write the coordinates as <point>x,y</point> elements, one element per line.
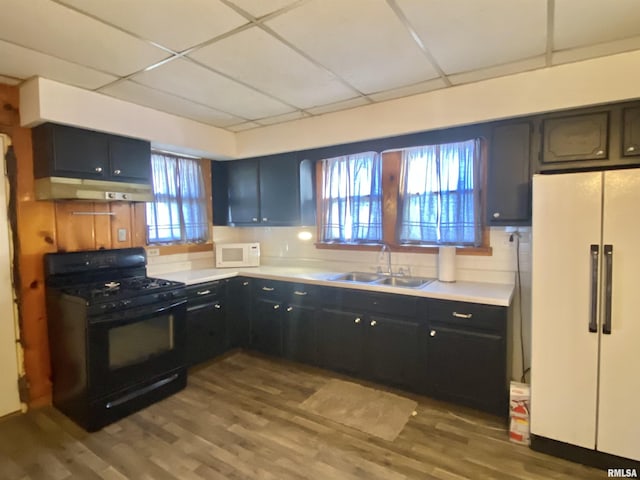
<point>229,255</point>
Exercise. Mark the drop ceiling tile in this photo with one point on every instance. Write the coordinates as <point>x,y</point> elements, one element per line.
<point>142,95</point>
<point>9,80</point>
<point>465,35</point>
<point>199,20</point>
<point>362,41</point>
<point>598,50</point>
<point>23,63</point>
<point>258,59</point>
<point>421,87</point>
<point>287,117</point>
<point>243,126</point>
<point>260,8</point>
<point>498,71</point>
<point>186,79</point>
<point>586,22</point>
<point>334,107</point>
<point>56,30</point>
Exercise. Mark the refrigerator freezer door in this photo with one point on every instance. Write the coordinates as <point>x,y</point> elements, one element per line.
<point>619,412</point>
<point>567,218</point>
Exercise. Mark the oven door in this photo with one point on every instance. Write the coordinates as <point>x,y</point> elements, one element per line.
<point>134,345</point>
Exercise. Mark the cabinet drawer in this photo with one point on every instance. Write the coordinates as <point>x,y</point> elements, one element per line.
<point>201,290</point>
<point>474,315</point>
<point>300,293</point>
<point>386,303</point>
<point>269,288</point>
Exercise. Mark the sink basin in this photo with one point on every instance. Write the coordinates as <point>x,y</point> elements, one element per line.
<point>406,282</point>
<point>363,277</point>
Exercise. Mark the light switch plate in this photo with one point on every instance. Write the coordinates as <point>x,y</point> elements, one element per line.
<point>153,252</point>
<point>122,234</point>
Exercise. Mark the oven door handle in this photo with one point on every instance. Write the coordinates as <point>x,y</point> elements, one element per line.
<point>169,307</point>
<point>135,314</point>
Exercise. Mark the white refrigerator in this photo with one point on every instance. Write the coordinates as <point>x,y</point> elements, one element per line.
<point>585,359</point>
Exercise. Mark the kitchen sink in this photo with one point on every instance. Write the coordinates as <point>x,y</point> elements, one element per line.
<point>405,282</point>
<point>377,279</point>
<point>362,277</point>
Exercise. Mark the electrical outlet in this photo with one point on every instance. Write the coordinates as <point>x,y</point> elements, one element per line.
<point>153,252</point>
<point>122,234</point>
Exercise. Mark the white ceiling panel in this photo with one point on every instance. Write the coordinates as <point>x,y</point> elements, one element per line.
<point>260,8</point>
<point>24,63</point>
<point>188,80</point>
<point>498,71</point>
<point>142,95</point>
<point>59,31</point>
<point>334,107</point>
<point>287,117</point>
<point>175,24</point>
<point>584,22</point>
<point>362,41</point>
<point>592,51</point>
<point>243,126</point>
<point>258,59</point>
<point>9,80</point>
<point>421,87</point>
<point>466,35</point>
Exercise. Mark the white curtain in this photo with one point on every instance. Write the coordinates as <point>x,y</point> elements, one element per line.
<point>178,213</point>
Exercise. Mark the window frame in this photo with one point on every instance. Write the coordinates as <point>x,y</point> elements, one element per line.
<point>391,164</point>
<point>182,247</point>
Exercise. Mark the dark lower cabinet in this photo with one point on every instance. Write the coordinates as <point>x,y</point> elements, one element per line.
<point>396,351</point>
<point>266,326</point>
<point>207,333</point>
<point>300,333</point>
<point>239,311</point>
<point>340,337</point>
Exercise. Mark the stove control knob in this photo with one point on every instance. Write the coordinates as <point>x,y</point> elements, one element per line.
<point>110,306</point>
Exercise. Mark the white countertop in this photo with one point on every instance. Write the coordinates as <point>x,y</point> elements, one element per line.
<point>474,292</point>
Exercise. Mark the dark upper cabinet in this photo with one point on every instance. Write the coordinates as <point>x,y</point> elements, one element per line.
<point>244,193</point>
<point>631,132</point>
<point>509,179</point>
<point>575,138</point>
<point>277,190</point>
<point>62,151</point>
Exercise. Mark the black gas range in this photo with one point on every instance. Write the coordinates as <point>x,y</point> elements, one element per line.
<point>117,337</point>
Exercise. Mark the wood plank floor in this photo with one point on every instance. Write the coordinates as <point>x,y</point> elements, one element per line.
<point>239,418</point>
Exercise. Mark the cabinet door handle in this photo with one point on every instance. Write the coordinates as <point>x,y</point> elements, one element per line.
<point>608,278</point>
<point>265,219</point>
<point>298,292</point>
<point>98,169</point>
<point>373,323</point>
<point>117,172</point>
<point>244,284</point>
<point>357,320</point>
<point>600,152</point>
<point>595,260</point>
<point>204,292</point>
<point>496,215</point>
<point>218,306</point>
<point>631,149</point>
<point>462,315</point>
<point>289,309</point>
<point>432,333</point>
<point>276,307</point>
<point>254,219</point>
<point>268,289</point>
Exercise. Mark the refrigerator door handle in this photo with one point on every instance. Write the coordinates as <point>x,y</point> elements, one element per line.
<point>595,261</point>
<point>608,260</point>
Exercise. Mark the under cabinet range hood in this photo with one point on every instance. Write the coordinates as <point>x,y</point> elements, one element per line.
<point>62,188</point>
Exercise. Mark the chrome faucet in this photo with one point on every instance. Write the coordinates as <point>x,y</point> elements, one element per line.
<point>386,248</point>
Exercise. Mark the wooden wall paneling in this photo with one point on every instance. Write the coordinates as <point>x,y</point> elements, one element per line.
<point>34,235</point>
<point>121,220</point>
<point>139,224</point>
<point>103,237</point>
<point>391,162</point>
<point>75,226</point>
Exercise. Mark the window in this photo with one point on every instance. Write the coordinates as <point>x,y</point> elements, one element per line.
<point>352,199</point>
<point>411,199</point>
<point>178,213</point>
<point>439,202</point>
